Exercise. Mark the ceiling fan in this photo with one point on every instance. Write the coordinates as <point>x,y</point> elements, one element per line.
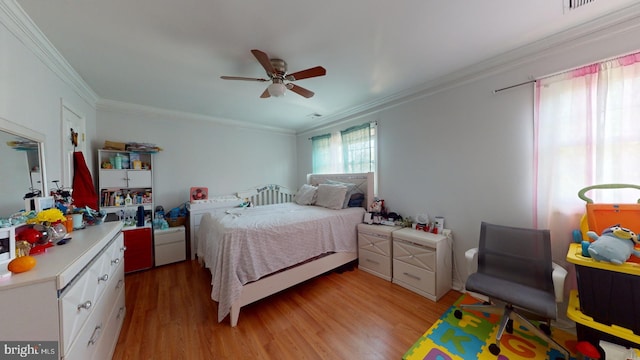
<point>277,73</point>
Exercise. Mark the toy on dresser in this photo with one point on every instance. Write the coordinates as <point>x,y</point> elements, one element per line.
<point>614,245</point>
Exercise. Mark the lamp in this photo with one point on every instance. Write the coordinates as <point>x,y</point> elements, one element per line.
<point>277,89</point>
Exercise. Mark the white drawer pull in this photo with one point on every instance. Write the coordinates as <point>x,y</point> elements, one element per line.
<point>104,277</point>
<point>120,283</point>
<point>95,335</point>
<point>373,261</point>
<point>411,276</point>
<point>124,248</point>
<point>85,305</point>
<point>115,261</point>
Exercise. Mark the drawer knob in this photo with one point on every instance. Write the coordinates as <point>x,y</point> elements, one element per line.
<point>373,261</point>
<point>104,277</point>
<point>120,283</point>
<point>124,248</point>
<point>115,261</point>
<point>85,305</point>
<point>120,312</point>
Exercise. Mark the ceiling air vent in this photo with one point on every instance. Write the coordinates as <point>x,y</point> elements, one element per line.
<point>574,4</point>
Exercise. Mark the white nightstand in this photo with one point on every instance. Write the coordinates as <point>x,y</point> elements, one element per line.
<point>374,249</point>
<point>422,262</point>
<point>170,245</point>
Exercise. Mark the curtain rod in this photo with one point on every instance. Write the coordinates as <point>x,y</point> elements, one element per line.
<point>513,86</point>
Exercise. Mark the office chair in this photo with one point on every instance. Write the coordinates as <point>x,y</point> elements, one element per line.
<point>515,273</point>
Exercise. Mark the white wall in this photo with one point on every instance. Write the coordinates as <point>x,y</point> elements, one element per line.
<point>31,94</point>
<point>224,157</point>
<point>467,154</point>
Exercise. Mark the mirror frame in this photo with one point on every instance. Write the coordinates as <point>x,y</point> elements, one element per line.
<point>19,130</point>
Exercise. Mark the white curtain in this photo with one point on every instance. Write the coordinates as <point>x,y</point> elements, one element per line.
<point>587,132</point>
<point>357,149</point>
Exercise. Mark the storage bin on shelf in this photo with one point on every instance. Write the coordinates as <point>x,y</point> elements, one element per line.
<point>179,221</point>
<point>609,294</point>
<point>601,216</point>
<point>592,331</point>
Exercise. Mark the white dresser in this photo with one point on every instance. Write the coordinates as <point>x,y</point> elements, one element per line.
<point>422,262</point>
<point>374,249</point>
<point>74,295</point>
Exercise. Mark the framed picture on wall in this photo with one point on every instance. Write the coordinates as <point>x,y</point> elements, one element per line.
<point>199,193</point>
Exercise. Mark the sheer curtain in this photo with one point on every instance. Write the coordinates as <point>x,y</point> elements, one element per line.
<point>586,132</point>
<point>357,149</point>
<point>348,151</point>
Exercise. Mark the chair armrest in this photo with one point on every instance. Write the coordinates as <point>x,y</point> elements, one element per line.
<point>472,260</point>
<point>559,274</point>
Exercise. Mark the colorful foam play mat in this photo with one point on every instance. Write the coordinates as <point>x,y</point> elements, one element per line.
<point>469,338</point>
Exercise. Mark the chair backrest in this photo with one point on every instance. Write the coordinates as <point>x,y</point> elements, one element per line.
<point>516,254</point>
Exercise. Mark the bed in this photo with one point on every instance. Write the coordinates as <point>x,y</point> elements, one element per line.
<point>254,252</point>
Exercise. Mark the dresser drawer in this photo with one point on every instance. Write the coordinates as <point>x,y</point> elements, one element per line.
<point>377,243</point>
<point>416,277</point>
<point>96,330</point>
<point>83,295</point>
<point>419,256</point>
<point>375,263</point>
<point>78,302</point>
<point>109,337</point>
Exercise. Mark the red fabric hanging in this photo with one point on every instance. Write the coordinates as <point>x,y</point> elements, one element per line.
<point>84,193</point>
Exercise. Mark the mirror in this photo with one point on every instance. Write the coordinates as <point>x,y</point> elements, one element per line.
<point>22,159</point>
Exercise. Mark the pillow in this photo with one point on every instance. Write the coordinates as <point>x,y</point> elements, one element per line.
<point>331,196</point>
<point>351,189</point>
<point>306,195</point>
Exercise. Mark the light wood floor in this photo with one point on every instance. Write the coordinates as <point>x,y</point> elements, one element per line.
<point>352,315</point>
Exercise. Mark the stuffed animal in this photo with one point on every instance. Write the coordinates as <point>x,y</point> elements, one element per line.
<point>615,245</point>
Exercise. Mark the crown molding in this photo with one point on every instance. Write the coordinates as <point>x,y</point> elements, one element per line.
<point>135,109</point>
<point>617,22</point>
<point>14,19</point>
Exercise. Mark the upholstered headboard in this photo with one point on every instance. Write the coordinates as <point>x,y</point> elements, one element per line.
<point>363,181</point>
<point>267,194</point>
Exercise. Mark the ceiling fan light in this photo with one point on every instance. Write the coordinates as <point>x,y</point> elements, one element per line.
<point>276,89</point>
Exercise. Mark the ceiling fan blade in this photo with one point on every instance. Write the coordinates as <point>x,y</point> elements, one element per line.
<point>241,78</point>
<point>264,60</point>
<point>308,73</point>
<point>265,94</point>
<point>300,90</point>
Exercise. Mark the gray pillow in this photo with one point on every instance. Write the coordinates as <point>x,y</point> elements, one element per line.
<point>331,196</point>
<point>351,189</point>
<point>306,195</point>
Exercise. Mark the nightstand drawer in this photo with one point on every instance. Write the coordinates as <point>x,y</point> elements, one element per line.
<point>415,277</point>
<point>418,256</point>
<point>375,264</point>
<point>380,244</point>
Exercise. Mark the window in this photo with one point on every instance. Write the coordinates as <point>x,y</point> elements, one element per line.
<point>348,151</point>
<point>587,132</point>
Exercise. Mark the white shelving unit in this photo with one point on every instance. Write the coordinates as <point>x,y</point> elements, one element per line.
<point>121,192</point>
<point>115,184</point>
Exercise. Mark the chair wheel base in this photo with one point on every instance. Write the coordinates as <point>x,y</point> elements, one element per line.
<point>545,329</point>
<point>494,349</point>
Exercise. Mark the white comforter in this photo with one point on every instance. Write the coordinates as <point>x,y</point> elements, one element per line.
<point>241,245</point>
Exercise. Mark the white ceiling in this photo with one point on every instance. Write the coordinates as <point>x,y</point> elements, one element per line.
<point>170,54</point>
